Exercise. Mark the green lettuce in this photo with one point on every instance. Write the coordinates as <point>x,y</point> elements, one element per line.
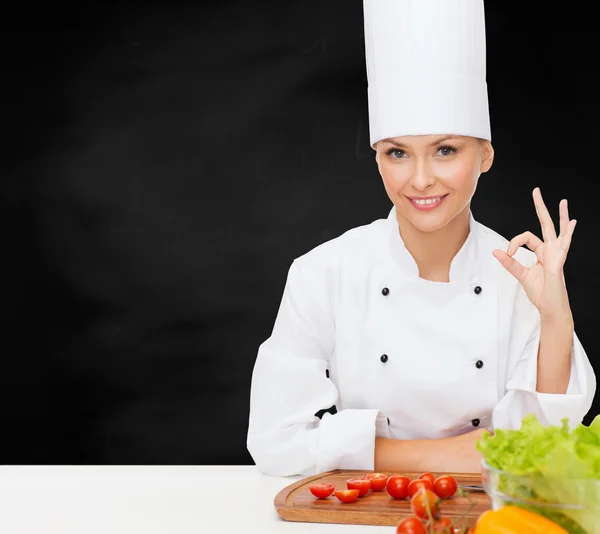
<point>549,464</point>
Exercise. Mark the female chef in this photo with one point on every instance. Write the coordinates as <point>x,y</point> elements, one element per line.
<point>399,343</point>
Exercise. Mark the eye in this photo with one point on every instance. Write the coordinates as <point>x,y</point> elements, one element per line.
<point>446,150</point>
<point>396,153</point>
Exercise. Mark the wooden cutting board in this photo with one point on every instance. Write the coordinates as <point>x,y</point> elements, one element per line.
<point>297,503</point>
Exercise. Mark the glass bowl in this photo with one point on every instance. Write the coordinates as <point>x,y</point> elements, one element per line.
<point>571,502</point>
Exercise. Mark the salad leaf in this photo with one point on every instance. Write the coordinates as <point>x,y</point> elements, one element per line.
<point>551,465</point>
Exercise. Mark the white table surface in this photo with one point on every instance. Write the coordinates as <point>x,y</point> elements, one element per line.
<point>149,500</point>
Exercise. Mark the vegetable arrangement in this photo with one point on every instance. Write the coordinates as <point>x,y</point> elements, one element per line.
<point>426,494</point>
<point>553,464</point>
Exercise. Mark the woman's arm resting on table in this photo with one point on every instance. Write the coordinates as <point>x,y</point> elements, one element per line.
<point>456,454</point>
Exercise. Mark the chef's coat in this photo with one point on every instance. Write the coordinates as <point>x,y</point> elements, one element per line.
<point>362,347</point>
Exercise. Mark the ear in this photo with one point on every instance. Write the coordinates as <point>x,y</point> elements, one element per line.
<point>488,156</point>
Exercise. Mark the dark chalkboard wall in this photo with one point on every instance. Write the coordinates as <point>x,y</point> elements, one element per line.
<point>164,164</point>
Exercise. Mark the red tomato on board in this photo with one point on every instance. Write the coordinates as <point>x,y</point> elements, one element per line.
<point>445,486</point>
<point>417,484</point>
<point>410,525</point>
<point>425,502</point>
<point>363,485</point>
<point>375,475</point>
<point>378,481</point>
<point>427,476</point>
<point>397,486</point>
<point>322,491</point>
<point>349,495</point>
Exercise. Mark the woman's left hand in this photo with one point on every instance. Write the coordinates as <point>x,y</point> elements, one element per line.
<point>543,282</point>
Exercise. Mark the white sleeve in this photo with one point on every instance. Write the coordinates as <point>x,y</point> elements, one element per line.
<point>521,397</point>
<point>290,385</point>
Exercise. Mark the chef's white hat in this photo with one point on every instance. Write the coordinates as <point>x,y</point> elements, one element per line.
<point>426,63</point>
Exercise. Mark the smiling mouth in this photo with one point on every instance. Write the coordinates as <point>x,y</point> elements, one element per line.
<point>426,203</point>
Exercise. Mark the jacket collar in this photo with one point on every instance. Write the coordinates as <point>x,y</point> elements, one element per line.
<point>464,265</point>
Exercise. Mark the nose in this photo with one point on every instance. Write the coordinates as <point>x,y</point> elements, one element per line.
<point>423,177</point>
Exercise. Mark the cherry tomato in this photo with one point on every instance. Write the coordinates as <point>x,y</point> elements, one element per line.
<point>378,481</point>
<point>445,486</point>
<point>349,495</point>
<point>375,475</point>
<point>322,491</point>
<point>418,483</point>
<point>427,476</point>
<point>397,486</point>
<point>423,500</point>
<point>443,525</point>
<point>363,485</point>
<point>410,525</point>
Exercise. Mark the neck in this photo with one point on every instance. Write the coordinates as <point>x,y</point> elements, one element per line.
<point>433,252</point>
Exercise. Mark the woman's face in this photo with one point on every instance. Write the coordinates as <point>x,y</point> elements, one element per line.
<point>432,178</point>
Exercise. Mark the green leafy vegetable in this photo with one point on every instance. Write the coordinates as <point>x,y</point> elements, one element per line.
<point>552,464</point>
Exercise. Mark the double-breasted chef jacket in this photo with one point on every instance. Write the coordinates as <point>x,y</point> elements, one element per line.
<point>362,347</point>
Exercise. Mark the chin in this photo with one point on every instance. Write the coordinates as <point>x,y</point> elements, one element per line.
<point>428,223</point>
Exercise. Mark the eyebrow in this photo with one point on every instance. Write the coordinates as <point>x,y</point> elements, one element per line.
<point>436,142</point>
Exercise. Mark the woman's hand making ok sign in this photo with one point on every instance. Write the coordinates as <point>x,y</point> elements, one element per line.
<point>544,281</point>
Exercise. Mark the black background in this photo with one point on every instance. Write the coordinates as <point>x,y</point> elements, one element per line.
<point>162,167</point>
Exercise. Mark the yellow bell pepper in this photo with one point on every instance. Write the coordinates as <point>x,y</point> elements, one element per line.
<point>515,520</point>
